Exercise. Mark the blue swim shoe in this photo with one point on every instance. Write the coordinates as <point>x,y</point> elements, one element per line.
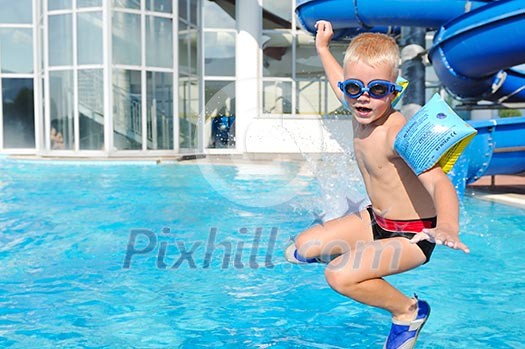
<point>403,334</point>
<point>293,256</point>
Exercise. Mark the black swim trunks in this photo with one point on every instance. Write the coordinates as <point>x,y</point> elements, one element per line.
<point>384,228</point>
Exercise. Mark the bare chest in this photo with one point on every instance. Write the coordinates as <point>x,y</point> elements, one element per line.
<point>374,155</point>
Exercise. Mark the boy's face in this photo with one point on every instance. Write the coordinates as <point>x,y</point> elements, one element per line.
<point>366,109</point>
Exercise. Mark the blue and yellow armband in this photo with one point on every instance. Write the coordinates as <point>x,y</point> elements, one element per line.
<point>434,135</point>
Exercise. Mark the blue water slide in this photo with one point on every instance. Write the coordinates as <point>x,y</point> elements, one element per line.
<point>477,53</point>
<point>348,14</point>
<point>349,17</point>
<point>498,148</point>
<point>514,85</point>
<point>472,52</point>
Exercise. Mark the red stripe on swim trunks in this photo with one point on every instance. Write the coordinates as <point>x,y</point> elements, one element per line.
<point>416,225</point>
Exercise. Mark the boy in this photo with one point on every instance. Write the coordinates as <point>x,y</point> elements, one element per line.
<point>409,214</point>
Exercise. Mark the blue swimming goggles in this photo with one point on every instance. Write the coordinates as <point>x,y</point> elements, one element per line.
<point>354,88</point>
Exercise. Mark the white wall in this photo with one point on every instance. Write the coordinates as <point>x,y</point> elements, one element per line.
<point>298,136</point>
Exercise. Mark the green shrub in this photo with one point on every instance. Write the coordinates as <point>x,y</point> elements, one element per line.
<point>508,113</point>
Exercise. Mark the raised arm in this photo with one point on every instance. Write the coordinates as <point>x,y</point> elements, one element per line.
<point>332,68</point>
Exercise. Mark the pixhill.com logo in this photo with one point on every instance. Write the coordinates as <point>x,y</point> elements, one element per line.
<point>171,252</point>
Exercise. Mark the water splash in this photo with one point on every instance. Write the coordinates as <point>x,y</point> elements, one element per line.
<point>341,186</point>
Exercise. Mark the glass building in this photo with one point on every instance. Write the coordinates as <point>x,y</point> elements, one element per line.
<point>114,78</point>
<point>93,77</point>
<point>154,77</point>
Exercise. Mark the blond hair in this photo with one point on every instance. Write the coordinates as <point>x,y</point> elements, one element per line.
<point>374,49</point>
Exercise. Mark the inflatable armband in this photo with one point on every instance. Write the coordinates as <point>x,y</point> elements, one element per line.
<point>435,134</point>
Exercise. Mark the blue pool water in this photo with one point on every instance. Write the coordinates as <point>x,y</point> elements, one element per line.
<point>133,256</point>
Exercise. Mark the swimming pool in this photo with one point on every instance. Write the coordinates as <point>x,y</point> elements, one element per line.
<point>133,255</point>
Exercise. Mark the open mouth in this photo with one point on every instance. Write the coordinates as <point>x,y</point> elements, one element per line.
<point>363,110</point>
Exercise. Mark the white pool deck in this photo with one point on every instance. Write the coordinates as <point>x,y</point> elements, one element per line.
<point>504,189</point>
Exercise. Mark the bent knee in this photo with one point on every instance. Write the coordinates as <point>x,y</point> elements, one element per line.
<point>342,282</point>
